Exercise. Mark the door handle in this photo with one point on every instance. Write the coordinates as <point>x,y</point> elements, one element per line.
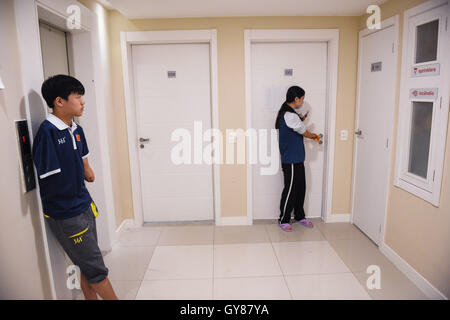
<point>320,139</point>
<point>144,140</point>
<point>358,132</point>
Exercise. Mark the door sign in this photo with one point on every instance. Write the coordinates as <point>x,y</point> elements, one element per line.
<point>423,93</point>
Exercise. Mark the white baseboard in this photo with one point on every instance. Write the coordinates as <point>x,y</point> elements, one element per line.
<point>234,221</point>
<point>338,217</point>
<point>423,284</point>
<point>127,223</point>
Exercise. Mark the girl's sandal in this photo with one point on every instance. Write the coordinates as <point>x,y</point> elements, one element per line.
<point>286,227</point>
<point>305,222</point>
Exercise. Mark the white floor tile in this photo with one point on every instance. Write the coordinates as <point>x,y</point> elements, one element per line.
<point>202,262</point>
<point>299,233</point>
<point>245,260</point>
<point>187,235</point>
<point>339,230</point>
<point>308,257</point>
<point>394,285</point>
<point>181,262</point>
<point>241,234</point>
<point>340,286</point>
<point>358,254</point>
<point>192,289</point>
<point>258,288</point>
<point>143,236</point>
<point>128,263</point>
<point>126,290</point>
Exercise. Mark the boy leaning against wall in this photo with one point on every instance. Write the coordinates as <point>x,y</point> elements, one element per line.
<point>60,153</point>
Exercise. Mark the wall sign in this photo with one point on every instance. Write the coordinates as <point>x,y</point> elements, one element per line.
<point>375,67</point>
<point>288,72</point>
<point>171,74</point>
<point>423,94</point>
<point>426,70</point>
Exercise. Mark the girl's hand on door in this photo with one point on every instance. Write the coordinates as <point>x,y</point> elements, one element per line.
<point>304,117</point>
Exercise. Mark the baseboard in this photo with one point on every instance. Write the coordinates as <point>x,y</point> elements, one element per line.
<point>233,221</point>
<point>338,217</point>
<point>423,284</point>
<point>127,223</point>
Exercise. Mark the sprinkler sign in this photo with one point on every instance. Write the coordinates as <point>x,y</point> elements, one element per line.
<point>426,70</point>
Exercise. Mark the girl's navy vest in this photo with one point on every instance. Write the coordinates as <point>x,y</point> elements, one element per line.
<point>292,148</point>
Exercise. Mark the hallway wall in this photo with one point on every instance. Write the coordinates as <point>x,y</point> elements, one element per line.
<point>415,229</point>
<point>23,270</point>
<point>230,39</point>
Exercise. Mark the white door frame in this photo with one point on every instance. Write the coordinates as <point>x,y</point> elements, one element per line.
<point>393,21</point>
<point>27,15</point>
<point>331,36</point>
<point>127,39</point>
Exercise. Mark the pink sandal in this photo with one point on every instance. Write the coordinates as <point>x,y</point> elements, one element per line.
<point>286,227</point>
<point>306,222</point>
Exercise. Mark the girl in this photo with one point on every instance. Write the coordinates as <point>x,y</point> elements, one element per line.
<point>291,132</point>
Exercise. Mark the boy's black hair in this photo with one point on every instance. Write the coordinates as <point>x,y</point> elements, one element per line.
<point>60,86</point>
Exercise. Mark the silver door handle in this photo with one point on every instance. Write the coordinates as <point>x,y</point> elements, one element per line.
<point>358,132</point>
<point>320,138</point>
<point>144,139</point>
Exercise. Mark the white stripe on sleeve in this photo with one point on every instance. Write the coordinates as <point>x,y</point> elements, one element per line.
<point>45,175</point>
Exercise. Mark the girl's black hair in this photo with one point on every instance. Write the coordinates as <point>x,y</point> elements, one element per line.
<point>60,86</point>
<point>292,93</point>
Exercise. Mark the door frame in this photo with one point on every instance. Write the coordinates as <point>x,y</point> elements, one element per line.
<point>331,36</point>
<point>127,39</point>
<point>393,21</point>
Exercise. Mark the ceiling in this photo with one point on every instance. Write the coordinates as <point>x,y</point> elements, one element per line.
<point>140,9</point>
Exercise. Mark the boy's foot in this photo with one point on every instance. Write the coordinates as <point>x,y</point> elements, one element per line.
<point>286,227</point>
<point>305,222</point>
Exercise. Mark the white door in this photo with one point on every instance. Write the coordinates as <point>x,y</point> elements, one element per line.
<point>172,91</point>
<point>275,67</point>
<point>377,80</point>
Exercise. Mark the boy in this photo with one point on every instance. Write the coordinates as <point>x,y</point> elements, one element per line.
<point>60,154</point>
<point>291,133</point>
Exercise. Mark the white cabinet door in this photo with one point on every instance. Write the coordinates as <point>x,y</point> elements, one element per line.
<point>172,91</point>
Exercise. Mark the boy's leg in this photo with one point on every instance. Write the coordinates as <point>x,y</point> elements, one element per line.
<point>104,289</point>
<point>88,291</point>
<point>78,237</point>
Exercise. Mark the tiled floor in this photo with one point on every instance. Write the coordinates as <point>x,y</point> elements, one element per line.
<point>203,261</point>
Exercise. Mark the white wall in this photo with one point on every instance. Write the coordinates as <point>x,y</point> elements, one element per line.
<point>23,269</point>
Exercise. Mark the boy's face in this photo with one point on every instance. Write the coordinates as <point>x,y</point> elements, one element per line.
<point>298,102</point>
<point>73,106</point>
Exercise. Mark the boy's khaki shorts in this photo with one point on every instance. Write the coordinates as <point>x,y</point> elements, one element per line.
<point>78,237</point>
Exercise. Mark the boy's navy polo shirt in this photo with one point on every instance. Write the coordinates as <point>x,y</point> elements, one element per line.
<point>58,153</point>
